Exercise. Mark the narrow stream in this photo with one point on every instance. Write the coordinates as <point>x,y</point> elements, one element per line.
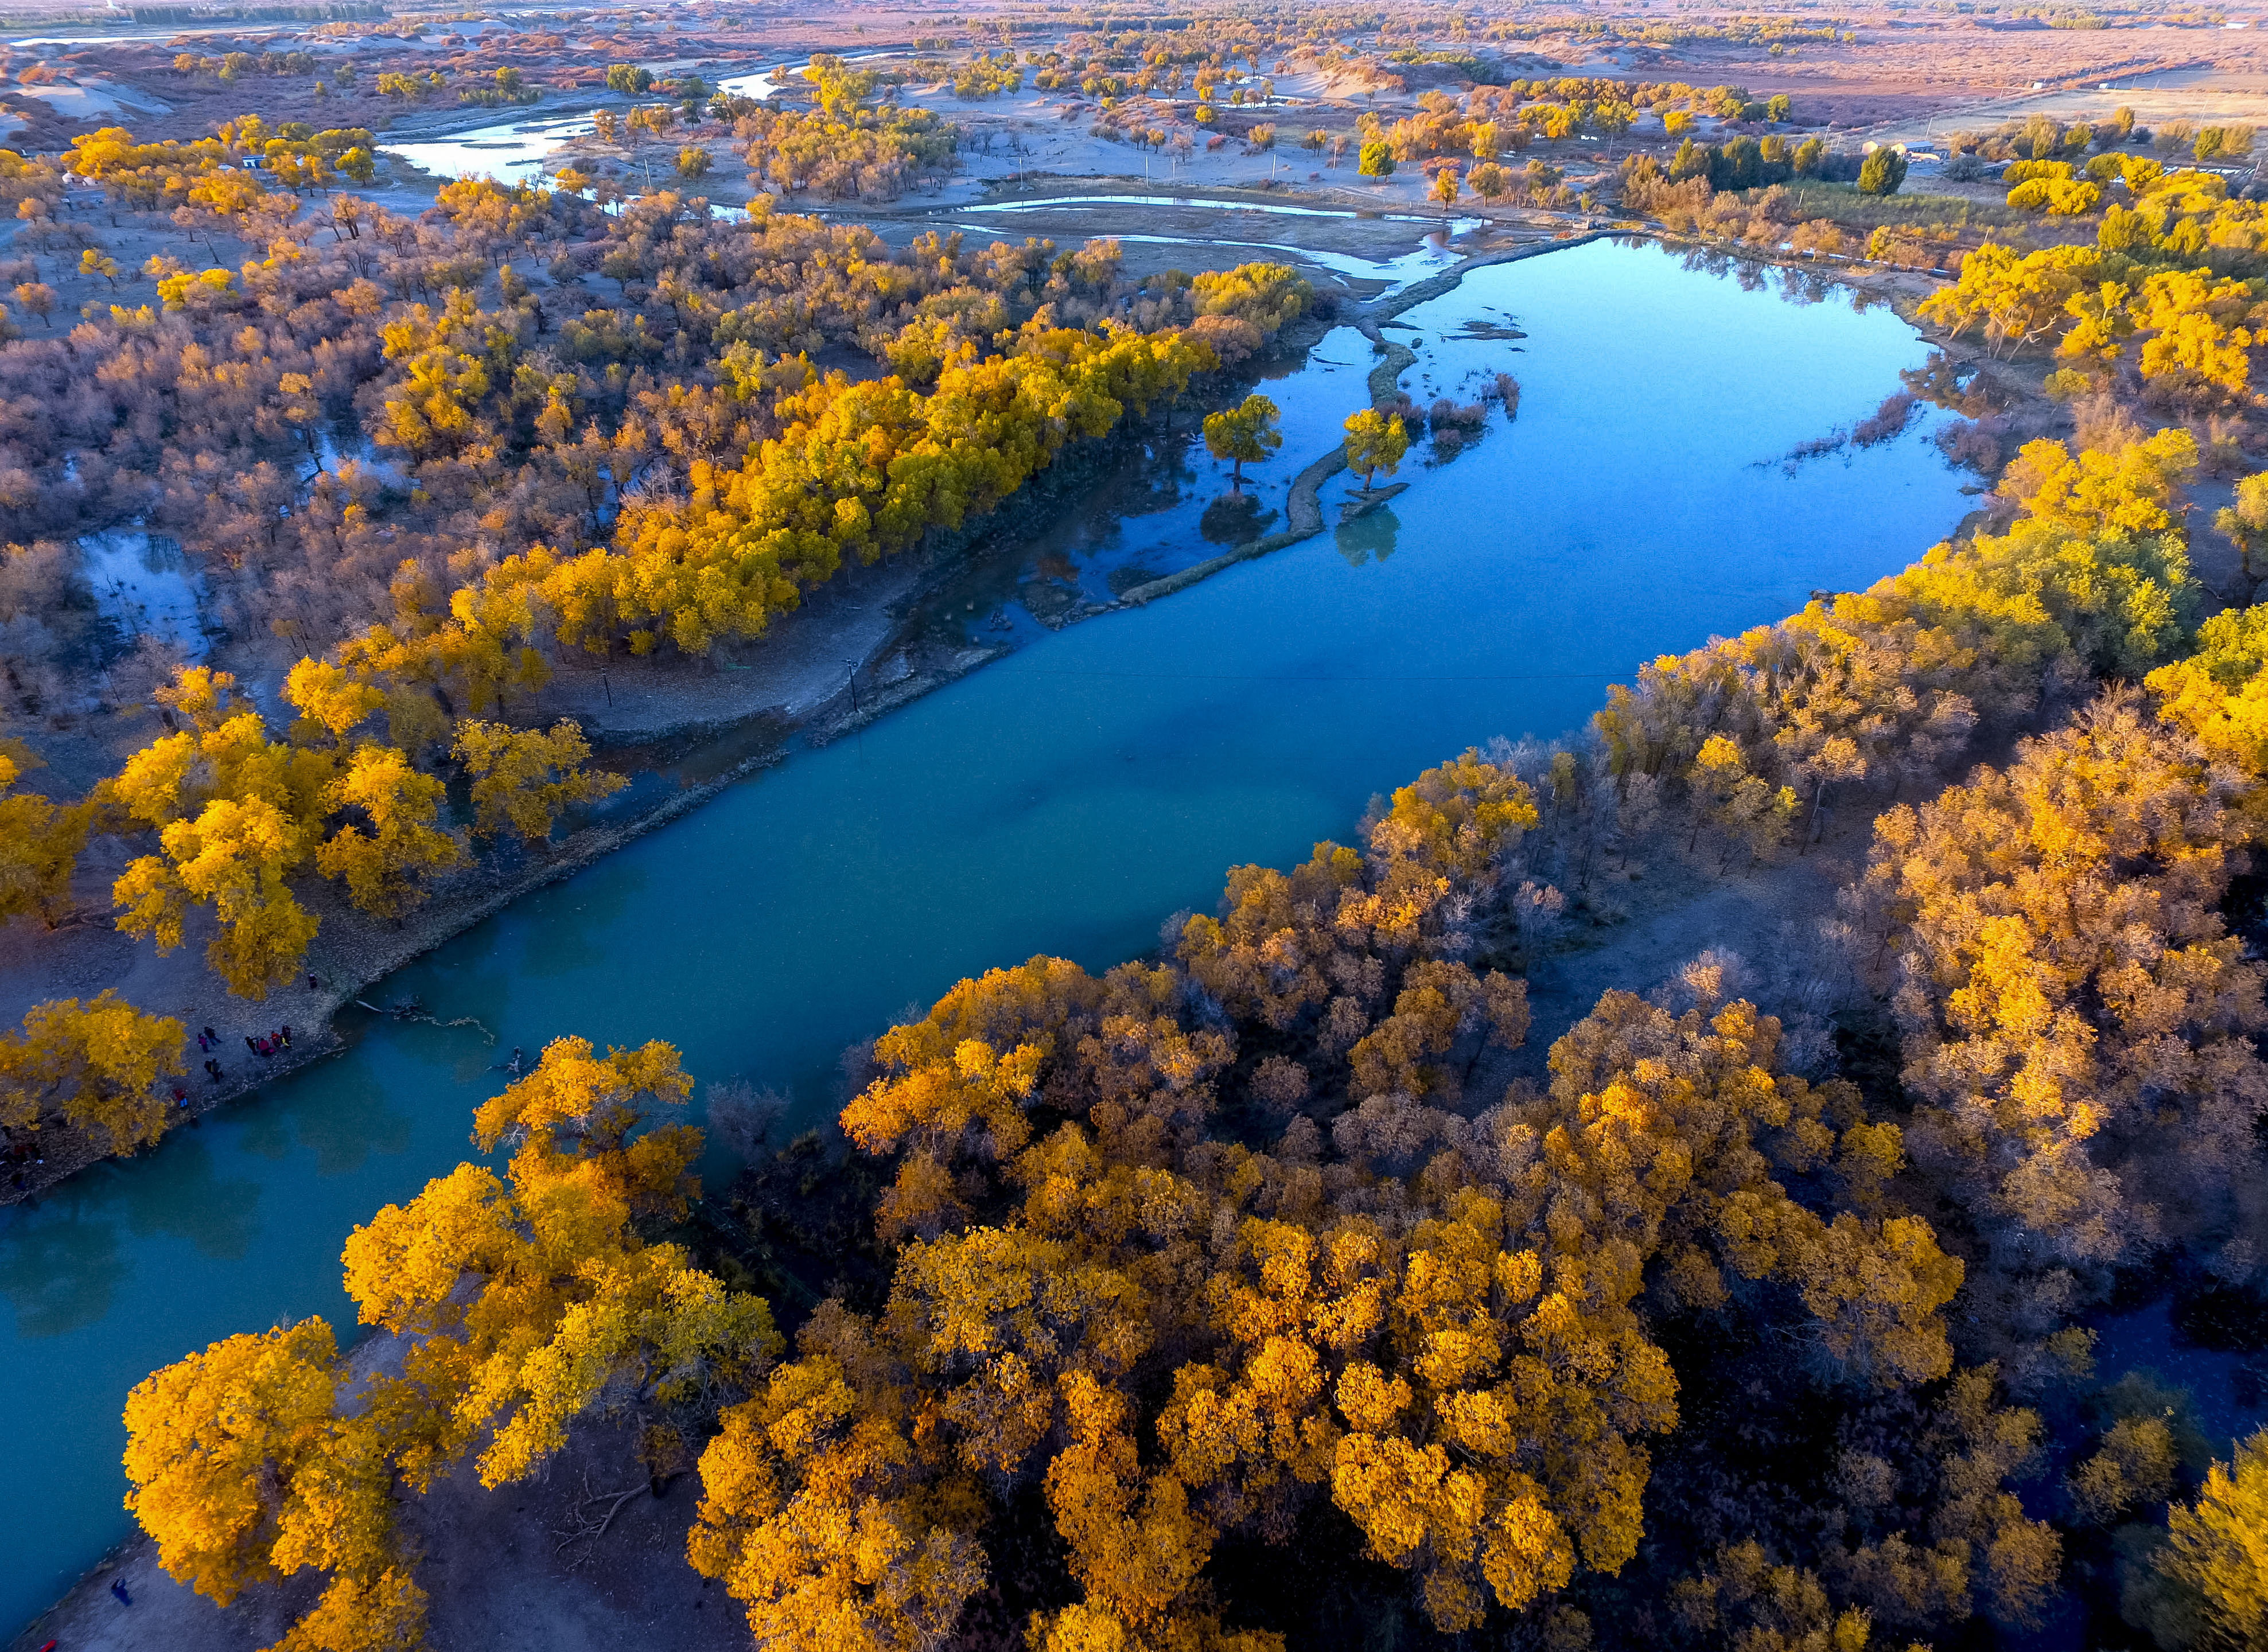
<point>1065,799</point>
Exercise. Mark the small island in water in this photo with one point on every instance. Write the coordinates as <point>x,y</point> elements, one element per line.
<point>1089,832</point>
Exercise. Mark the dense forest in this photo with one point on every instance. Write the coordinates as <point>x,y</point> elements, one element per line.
<point>1257,1292</point>
<point>1213,1302</point>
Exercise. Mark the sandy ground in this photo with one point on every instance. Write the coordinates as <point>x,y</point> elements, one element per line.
<point>499,1575</point>
<point>1768,917</point>
<point>2204,100</point>
<point>96,101</point>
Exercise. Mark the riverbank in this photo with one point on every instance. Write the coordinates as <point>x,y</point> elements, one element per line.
<point>500,1567</point>
<point>684,732</point>
<point>860,649</point>
<point>563,1561</point>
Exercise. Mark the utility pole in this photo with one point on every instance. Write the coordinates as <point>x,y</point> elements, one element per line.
<point>851,671</point>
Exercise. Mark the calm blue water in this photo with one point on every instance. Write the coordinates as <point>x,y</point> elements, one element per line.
<point>1063,800</point>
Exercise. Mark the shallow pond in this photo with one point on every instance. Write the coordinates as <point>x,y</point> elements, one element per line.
<point>145,586</point>
<point>1064,799</point>
<point>509,151</point>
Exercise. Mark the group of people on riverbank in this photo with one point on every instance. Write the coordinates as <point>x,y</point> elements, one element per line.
<point>267,1047</point>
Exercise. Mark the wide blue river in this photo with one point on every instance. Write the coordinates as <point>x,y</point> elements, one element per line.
<point>1064,800</point>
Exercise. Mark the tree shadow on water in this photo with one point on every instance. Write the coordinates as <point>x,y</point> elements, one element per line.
<point>181,1196</point>
<point>59,1269</point>
<point>1235,519</point>
<point>1367,537</point>
<point>338,1113</point>
<point>62,1261</point>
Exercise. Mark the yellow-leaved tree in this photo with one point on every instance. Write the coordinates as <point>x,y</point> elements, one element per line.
<point>2219,693</point>
<point>524,779</point>
<point>516,1304</point>
<point>1375,442</point>
<point>1436,1325</point>
<point>389,844</point>
<point>40,842</point>
<point>2078,1023</point>
<point>94,1065</point>
<point>238,815</point>
<point>2206,1585</point>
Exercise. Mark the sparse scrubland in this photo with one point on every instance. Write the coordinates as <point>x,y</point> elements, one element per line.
<point>1272,1289</point>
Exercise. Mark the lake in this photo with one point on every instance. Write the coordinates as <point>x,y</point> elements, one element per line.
<point>1065,799</point>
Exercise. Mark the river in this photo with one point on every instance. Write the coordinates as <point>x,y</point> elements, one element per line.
<point>514,149</point>
<point>1064,799</point>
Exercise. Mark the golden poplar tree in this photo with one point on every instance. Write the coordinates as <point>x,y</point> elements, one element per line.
<point>521,1302</point>
<point>39,843</point>
<point>524,779</point>
<point>97,1066</point>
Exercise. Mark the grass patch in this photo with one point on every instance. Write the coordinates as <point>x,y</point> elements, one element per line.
<point>1842,204</point>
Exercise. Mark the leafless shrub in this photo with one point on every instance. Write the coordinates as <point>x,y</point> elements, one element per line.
<point>1887,423</point>
<point>1814,447</point>
<point>2102,424</point>
<point>1968,445</point>
<point>743,1117</point>
<point>1279,1085</point>
<point>1344,1025</point>
<point>1394,1133</point>
<point>1541,911</point>
<point>1445,415</point>
<point>2223,450</point>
